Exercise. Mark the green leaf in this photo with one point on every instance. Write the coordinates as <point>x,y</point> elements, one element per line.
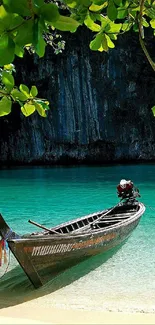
<point>9,67</point>
<point>105,22</point>
<point>122,13</point>
<point>111,11</point>
<point>20,7</point>
<point>85,3</point>
<point>8,80</point>
<point>113,36</point>
<point>144,22</point>
<point>4,92</point>
<point>150,12</point>
<point>50,12</point>
<point>44,104</point>
<point>40,109</point>
<point>34,91</point>
<point>118,3</point>
<point>5,106</point>
<point>113,28</point>
<point>38,40</point>
<point>2,28</point>
<point>18,95</point>
<point>133,14</point>
<point>152,23</point>
<point>35,32</point>
<point>125,3</point>
<point>5,18</point>
<point>135,8</point>
<point>40,49</point>
<point>91,25</point>
<point>79,18</point>
<point>94,15</point>
<point>96,43</point>
<point>15,22</point>
<point>104,43</point>
<point>37,4</point>
<point>25,90</point>
<point>71,3</point>
<point>28,109</point>
<point>4,39</point>
<point>25,34</point>
<point>7,48</point>
<point>109,42</point>
<point>96,8</point>
<point>126,26</point>
<point>100,2</point>
<point>136,28</point>
<point>66,24</point>
<point>19,51</point>
<point>153,110</point>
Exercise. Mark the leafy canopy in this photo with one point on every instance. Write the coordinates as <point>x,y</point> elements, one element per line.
<point>29,24</point>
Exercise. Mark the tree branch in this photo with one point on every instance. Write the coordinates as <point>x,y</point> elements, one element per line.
<point>141,35</point>
<point>31,8</point>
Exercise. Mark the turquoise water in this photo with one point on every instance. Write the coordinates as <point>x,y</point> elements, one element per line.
<point>124,280</point>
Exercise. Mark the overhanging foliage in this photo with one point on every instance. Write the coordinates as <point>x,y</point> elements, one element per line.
<point>25,24</point>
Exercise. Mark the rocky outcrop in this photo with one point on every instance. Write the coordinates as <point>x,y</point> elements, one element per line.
<point>100,106</point>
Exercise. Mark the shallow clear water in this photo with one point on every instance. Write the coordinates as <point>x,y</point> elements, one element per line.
<point>121,280</point>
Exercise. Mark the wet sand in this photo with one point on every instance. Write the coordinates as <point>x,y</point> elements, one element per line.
<point>25,314</point>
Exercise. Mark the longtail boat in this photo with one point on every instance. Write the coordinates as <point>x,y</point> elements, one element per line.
<point>44,254</point>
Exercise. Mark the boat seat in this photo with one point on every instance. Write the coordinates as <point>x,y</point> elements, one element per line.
<point>114,217</point>
<point>101,224</point>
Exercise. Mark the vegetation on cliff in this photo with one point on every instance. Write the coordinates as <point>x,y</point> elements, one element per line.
<point>31,25</point>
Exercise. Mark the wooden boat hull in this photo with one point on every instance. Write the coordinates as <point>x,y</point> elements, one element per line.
<point>45,256</point>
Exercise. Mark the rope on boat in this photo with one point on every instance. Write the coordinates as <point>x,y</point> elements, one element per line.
<point>6,266</point>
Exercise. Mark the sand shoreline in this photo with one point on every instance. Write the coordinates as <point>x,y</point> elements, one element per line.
<point>25,314</point>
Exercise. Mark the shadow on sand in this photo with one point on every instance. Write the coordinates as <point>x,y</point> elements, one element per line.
<point>15,287</point>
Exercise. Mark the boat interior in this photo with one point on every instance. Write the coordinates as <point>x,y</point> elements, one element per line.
<point>94,221</point>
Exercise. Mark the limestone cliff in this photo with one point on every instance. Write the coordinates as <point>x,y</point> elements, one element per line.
<point>100,106</point>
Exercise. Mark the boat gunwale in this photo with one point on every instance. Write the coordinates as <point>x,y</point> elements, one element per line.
<point>79,235</point>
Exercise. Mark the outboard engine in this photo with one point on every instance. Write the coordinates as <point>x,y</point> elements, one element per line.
<point>130,195</point>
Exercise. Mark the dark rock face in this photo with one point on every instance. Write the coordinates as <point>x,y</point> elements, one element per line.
<point>100,107</point>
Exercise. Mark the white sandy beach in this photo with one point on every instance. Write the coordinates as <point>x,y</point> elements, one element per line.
<point>20,303</point>
<point>25,314</point>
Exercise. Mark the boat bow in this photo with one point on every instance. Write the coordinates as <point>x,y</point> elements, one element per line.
<point>5,231</point>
